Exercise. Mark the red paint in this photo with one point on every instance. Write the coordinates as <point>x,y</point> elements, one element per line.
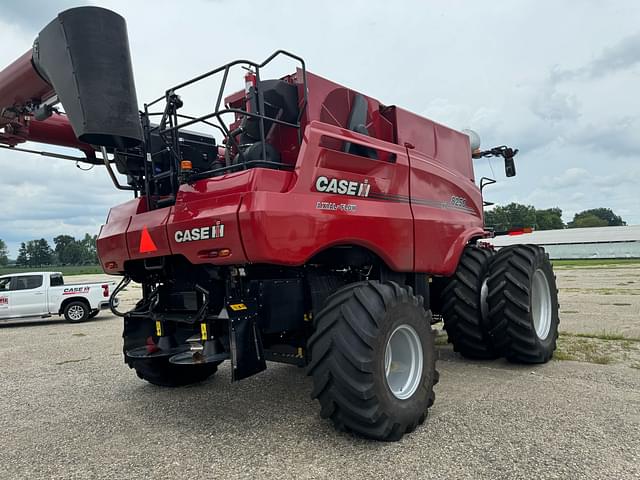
<point>55,130</point>
<point>20,84</point>
<point>154,222</point>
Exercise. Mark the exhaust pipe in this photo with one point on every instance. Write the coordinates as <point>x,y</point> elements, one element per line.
<point>84,55</point>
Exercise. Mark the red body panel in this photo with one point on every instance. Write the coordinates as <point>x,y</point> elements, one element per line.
<point>443,224</point>
<point>289,228</point>
<point>112,242</point>
<point>421,207</point>
<point>155,222</point>
<point>20,84</point>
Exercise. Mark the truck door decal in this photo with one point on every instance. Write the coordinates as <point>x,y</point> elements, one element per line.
<point>75,290</point>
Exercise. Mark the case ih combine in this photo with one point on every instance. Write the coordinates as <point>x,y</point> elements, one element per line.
<point>322,229</point>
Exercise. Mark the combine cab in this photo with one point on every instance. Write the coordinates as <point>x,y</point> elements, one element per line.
<point>311,225</point>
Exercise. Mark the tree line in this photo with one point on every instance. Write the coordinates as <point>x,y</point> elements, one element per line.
<point>516,215</point>
<point>67,250</point>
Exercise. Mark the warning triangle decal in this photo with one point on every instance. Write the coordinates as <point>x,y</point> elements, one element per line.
<point>146,242</point>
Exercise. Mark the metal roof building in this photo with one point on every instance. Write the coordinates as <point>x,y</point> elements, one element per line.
<point>596,242</point>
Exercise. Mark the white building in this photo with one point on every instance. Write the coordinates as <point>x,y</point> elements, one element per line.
<point>596,242</point>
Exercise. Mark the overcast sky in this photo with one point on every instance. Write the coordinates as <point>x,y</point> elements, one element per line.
<point>558,80</point>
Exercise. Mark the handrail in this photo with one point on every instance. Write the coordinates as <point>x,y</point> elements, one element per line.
<point>170,125</point>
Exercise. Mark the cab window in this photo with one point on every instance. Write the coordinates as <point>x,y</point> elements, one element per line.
<point>56,280</point>
<point>27,282</point>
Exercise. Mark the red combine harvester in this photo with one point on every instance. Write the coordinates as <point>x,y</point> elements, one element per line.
<point>322,228</point>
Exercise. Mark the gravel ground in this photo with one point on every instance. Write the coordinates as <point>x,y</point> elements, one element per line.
<point>596,300</point>
<point>71,409</point>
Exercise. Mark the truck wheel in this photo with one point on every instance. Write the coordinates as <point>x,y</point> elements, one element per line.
<point>464,305</point>
<point>159,371</point>
<point>76,311</point>
<point>523,304</point>
<point>373,360</point>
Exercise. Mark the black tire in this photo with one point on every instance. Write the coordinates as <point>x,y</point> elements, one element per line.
<point>348,360</point>
<point>462,306</point>
<point>76,311</point>
<point>159,371</point>
<point>512,307</point>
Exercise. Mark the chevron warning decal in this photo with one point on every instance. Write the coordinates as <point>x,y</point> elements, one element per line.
<point>146,242</point>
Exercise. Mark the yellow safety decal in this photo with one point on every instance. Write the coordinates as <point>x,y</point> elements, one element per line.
<point>158,328</point>
<point>300,352</point>
<point>203,331</point>
<point>236,307</point>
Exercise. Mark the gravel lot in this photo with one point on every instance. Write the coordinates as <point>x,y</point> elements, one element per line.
<point>596,299</point>
<point>71,409</point>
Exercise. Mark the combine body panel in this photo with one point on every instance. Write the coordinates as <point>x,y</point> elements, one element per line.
<point>317,227</point>
<point>415,183</point>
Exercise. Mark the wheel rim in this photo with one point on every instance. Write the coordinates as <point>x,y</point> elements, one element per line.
<point>75,312</point>
<point>403,362</point>
<point>541,304</point>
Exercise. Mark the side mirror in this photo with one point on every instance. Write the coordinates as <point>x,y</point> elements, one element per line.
<point>504,152</point>
<point>509,167</point>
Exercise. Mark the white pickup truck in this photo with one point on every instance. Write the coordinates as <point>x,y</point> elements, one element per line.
<point>43,294</point>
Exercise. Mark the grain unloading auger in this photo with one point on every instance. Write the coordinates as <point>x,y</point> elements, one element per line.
<point>317,227</point>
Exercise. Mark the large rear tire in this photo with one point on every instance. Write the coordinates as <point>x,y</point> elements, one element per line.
<point>373,360</point>
<point>463,305</point>
<point>523,304</point>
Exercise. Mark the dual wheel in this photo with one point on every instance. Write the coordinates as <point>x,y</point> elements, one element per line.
<point>502,305</point>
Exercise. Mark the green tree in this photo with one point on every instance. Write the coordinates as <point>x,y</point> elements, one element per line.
<point>607,216</point>
<point>549,219</point>
<point>89,249</point>
<point>23,256</point>
<point>69,251</point>
<point>584,221</point>
<point>39,253</point>
<point>514,215</point>
<point>4,253</point>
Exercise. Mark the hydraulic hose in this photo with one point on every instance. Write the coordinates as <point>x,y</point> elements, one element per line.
<point>121,286</point>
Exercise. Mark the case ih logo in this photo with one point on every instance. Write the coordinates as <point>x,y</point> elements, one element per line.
<point>343,187</point>
<point>4,300</point>
<point>201,233</point>
<point>75,290</point>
